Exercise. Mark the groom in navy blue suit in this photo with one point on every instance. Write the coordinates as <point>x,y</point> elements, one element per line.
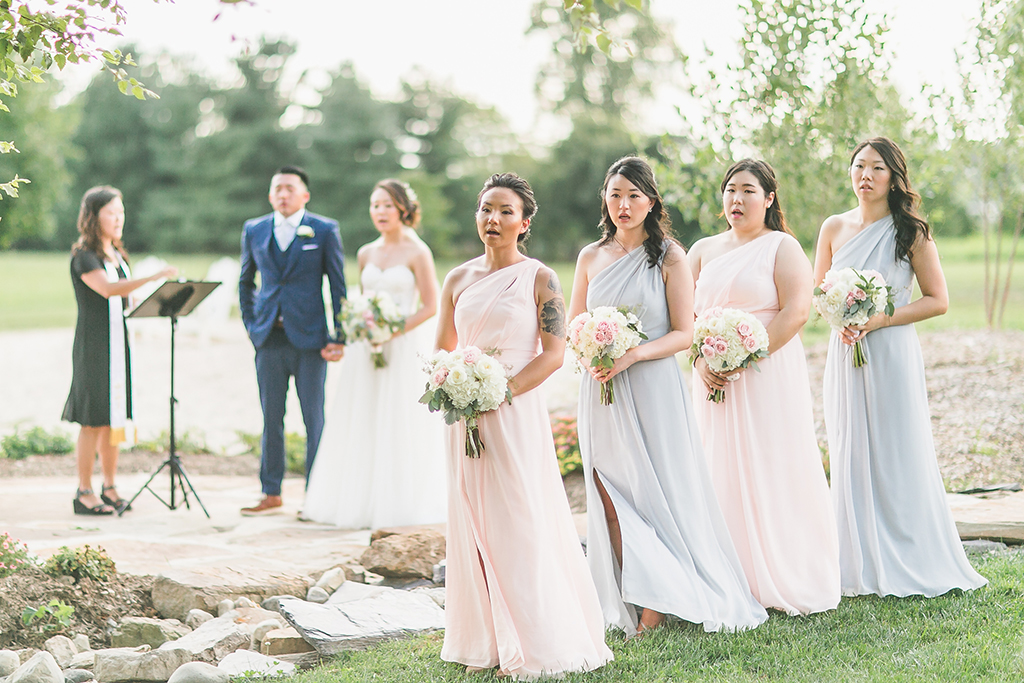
<point>291,249</point>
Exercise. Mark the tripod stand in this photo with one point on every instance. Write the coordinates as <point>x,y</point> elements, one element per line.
<point>172,300</point>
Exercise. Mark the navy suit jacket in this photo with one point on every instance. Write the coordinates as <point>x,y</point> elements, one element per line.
<point>294,292</point>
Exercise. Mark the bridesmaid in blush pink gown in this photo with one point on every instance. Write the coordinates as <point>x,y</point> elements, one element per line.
<point>765,463</point>
<point>520,596</point>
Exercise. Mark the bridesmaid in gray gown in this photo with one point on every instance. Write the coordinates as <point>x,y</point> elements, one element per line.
<point>896,533</point>
<point>657,540</point>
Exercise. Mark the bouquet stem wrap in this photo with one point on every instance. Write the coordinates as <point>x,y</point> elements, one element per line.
<point>474,444</point>
<point>859,359</point>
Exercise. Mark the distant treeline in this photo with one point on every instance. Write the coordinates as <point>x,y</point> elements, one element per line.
<point>194,164</point>
<point>811,81</point>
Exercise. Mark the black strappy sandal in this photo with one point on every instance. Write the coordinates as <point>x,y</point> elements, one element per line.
<point>83,509</point>
<point>121,505</point>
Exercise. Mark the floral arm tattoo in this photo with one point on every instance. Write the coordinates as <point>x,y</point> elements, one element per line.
<point>552,312</point>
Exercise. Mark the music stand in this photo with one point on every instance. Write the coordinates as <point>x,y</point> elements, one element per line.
<point>172,300</point>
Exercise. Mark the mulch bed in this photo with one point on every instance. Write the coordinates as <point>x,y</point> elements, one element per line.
<point>98,605</point>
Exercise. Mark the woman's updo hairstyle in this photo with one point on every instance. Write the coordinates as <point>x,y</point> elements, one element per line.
<point>657,223</point>
<point>404,199</point>
<point>774,219</point>
<point>513,182</point>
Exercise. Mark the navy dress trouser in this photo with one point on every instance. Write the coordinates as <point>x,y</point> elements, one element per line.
<point>277,361</point>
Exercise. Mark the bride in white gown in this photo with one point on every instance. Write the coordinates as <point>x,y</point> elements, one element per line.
<point>380,461</point>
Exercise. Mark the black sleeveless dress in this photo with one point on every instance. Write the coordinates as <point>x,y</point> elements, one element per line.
<point>88,402</point>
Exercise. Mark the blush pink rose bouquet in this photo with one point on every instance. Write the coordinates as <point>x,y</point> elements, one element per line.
<point>848,296</point>
<point>373,318</point>
<point>601,336</point>
<point>728,339</point>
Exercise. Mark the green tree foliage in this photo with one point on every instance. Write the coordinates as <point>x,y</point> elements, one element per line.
<point>143,148</point>
<point>986,120</point>
<point>581,78</point>
<point>568,186</point>
<point>346,147</point>
<point>230,173</point>
<point>601,86</point>
<point>813,75</point>
<point>37,36</point>
<point>588,20</point>
<point>42,133</point>
<point>457,145</point>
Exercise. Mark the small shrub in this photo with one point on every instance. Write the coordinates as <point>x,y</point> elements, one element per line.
<point>36,441</point>
<point>80,563</point>
<point>294,449</point>
<point>187,443</point>
<point>55,616</point>
<point>567,443</point>
<point>13,555</point>
<point>295,453</point>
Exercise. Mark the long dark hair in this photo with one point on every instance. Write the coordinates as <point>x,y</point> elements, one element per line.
<point>657,224</point>
<point>512,181</point>
<point>89,238</point>
<point>903,201</point>
<point>404,198</point>
<point>774,218</point>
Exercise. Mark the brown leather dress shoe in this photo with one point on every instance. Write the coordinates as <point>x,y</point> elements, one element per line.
<point>268,504</point>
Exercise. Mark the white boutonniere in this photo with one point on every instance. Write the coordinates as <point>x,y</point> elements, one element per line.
<point>304,231</point>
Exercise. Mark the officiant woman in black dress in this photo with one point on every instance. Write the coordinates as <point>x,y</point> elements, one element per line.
<point>101,395</point>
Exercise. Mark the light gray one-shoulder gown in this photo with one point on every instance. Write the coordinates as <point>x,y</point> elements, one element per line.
<point>678,557</point>
<point>896,533</point>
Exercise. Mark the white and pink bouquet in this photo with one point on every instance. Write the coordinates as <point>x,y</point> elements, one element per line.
<point>850,297</point>
<point>463,384</point>
<point>601,336</point>
<point>373,318</point>
<point>728,339</point>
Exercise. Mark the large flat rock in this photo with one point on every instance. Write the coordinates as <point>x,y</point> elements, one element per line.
<point>1010,533</point>
<point>995,517</point>
<point>335,627</point>
<point>177,591</point>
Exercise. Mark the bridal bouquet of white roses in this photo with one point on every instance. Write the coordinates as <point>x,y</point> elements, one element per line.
<point>728,339</point>
<point>373,318</point>
<point>601,336</point>
<point>463,384</point>
<point>850,297</point>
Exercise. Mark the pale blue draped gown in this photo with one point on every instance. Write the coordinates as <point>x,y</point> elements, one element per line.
<point>896,533</point>
<point>678,557</point>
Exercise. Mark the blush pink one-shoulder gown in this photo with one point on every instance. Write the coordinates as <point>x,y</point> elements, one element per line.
<point>519,593</point>
<point>765,463</point>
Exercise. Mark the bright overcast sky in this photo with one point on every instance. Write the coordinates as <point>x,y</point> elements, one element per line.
<point>479,47</point>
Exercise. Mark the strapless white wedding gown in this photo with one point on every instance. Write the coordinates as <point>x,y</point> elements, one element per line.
<point>381,457</point>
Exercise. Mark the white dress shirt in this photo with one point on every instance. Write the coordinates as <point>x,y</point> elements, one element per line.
<point>285,228</point>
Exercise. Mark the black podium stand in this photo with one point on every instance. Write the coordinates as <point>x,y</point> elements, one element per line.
<point>172,300</point>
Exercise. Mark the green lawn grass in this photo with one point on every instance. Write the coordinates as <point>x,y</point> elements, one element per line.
<point>35,288</point>
<point>972,636</point>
